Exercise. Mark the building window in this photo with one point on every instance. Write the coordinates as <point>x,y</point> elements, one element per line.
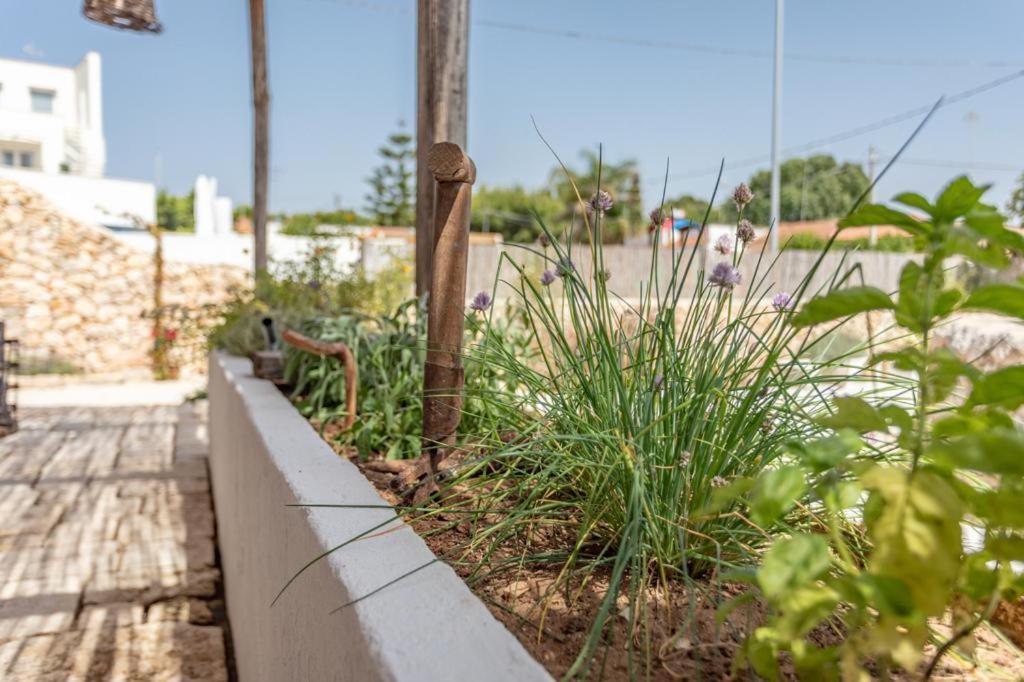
<point>8,158</point>
<point>27,160</point>
<point>42,101</point>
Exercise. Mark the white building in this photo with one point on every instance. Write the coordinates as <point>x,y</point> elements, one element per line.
<point>51,140</point>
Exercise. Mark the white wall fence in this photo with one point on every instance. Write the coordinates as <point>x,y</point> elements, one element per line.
<point>492,265</point>
<point>630,267</point>
<point>100,201</point>
<point>237,249</point>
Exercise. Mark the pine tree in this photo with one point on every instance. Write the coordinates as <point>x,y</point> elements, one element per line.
<point>390,200</point>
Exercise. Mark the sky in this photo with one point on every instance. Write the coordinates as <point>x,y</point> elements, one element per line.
<point>676,81</point>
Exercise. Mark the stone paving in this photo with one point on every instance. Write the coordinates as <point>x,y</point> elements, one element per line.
<point>108,567</point>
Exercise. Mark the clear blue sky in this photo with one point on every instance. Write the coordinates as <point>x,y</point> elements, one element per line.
<point>342,73</point>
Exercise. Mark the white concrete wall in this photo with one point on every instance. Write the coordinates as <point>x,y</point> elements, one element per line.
<point>236,249</point>
<point>99,201</point>
<point>427,626</point>
<point>74,131</point>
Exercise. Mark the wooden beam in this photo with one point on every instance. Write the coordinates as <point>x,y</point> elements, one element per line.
<point>260,132</point>
<point>441,59</point>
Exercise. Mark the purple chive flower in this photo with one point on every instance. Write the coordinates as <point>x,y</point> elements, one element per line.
<point>725,276</point>
<point>604,275</point>
<point>601,201</point>
<point>565,267</point>
<point>782,301</point>
<point>545,242</point>
<point>481,302</point>
<point>723,245</point>
<point>742,196</point>
<point>548,277</point>
<point>314,284</point>
<point>656,217</point>
<point>659,379</point>
<point>745,231</point>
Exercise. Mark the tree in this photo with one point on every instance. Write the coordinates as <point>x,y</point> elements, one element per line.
<point>694,207</point>
<point>1015,206</point>
<point>391,185</point>
<point>814,188</point>
<point>621,179</point>
<point>513,212</point>
<point>175,213</point>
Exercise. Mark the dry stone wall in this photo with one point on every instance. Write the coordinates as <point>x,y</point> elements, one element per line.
<point>75,294</point>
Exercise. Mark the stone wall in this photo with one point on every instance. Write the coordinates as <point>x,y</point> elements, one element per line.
<point>76,296</point>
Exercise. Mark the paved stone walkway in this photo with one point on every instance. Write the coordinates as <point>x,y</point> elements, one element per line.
<point>107,553</point>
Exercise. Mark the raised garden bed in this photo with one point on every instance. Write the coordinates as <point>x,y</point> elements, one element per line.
<point>426,626</point>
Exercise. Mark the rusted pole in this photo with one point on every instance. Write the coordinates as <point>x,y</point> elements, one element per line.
<point>454,173</point>
<point>336,349</point>
<point>442,48</point>
<point>260,132</point>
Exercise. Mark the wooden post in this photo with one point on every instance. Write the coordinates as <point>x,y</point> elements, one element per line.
<point>260,132</point>
<point>441,57</point>
<point>454,174</point>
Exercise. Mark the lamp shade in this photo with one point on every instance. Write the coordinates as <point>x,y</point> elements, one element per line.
<point>134,15</point>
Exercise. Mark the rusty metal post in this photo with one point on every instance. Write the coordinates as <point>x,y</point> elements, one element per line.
<point>454,174</point>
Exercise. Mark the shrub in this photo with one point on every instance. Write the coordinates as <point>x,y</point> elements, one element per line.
<point>298,291</point>
<point>886,243</point>
<point>956,464</point>
<point>389,353</point>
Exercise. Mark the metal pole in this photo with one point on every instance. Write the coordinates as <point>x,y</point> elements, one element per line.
<point>776,135</point>
<point>872,160</point>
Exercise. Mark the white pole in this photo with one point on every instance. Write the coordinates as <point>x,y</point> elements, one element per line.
<point>776,135</point>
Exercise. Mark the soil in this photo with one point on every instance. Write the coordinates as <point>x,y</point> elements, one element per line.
<point>684,639</point>
<point>681,632</point>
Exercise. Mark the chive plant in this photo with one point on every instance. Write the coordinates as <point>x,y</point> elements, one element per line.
<point>634,419</point>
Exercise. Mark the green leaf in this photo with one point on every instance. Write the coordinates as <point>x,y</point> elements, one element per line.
<point>791,563</point>
<point>994,451</point>
<point>910,304</point>
<point>877,214</point>
<point>1003,387</point>
<point>825,453</point>
<point>992,226</point>
<point>1006,547</point>
<point>959,197</point>
<point>814,663</point>
<point>804,607</point>
<point>915,200</point>
<point>842,303</point>
<point>854,413</point>
<point>1005,299</point>
<point>775,493</point>
<point>914,526</point>
<point>1000,507</point>
<point>888,595</point>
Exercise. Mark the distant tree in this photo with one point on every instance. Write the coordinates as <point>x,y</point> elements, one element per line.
<point>390,201</point>
<point>174,212</point>
<point>1015,206</point>
<point>308,224</point>
<point>513,212</point>
<point>694,207</point>
<point>621,179</point>
<point>814,188</point>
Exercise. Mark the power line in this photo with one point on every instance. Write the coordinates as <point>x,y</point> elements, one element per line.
<point>859,130</point>
<point>737,52</point>
<point>395,8</point>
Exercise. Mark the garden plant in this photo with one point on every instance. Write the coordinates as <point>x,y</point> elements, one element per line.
<point>941,511</point>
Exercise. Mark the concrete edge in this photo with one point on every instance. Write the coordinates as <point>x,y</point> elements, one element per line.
<point>426,626</point>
